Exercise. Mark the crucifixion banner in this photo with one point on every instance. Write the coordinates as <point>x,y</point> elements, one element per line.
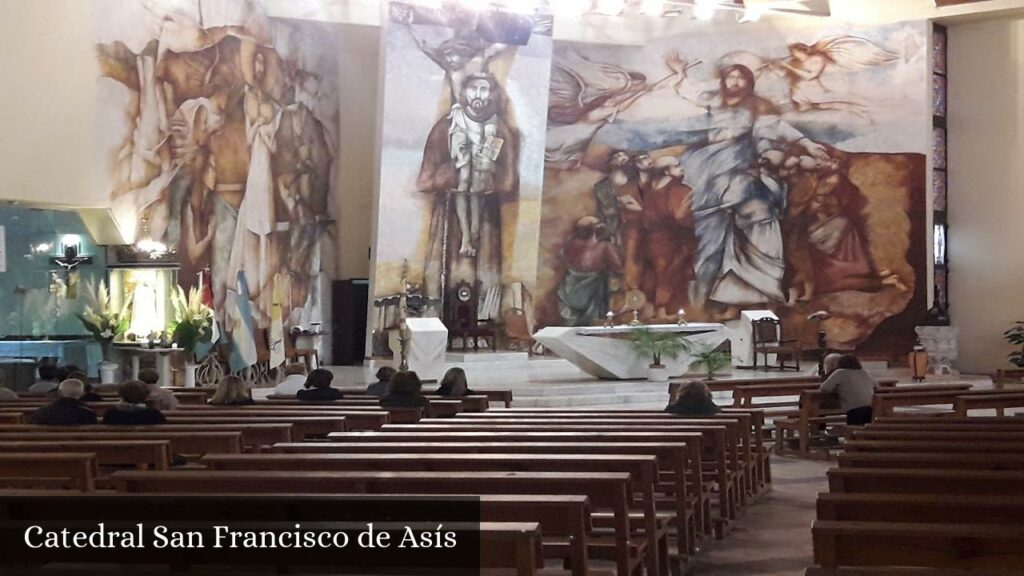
<point>465,97</point>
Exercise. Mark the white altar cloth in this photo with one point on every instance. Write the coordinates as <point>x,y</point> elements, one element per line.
<point>427,347</point>
<point>606,352</point>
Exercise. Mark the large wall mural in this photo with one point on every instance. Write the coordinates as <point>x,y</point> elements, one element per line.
<point>779,168</point>
<point>461,165</point>
<point>219,130</point>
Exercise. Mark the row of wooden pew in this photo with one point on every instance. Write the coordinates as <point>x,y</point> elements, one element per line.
<point>939,494</point>
<point>636,491</point>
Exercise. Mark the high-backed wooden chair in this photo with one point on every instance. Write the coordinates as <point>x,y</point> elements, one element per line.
<point>308,356</point>
<point>768,340</point>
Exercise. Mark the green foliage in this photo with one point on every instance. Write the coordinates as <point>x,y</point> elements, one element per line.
<point>193,319</point>
<point>1015,336</point>
<point>712,360</point>
<point>100,318</point>
<point>655,345</point>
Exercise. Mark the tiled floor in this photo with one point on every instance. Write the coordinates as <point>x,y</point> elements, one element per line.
<point>773,536</point>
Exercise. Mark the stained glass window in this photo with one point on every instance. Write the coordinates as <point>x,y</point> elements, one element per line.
<point>939,148</point>
<point>939,191</point>
<point>939,50</point>
<point>939,95</point>
<point>940,179</point>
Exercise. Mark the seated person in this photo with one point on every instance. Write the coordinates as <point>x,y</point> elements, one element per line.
<point>158,397</point>
<point>67,409</point>
<point>694,400</point>
<point>49,380</point>
<point>454,383</point>
<point>90,395</point>
<point>132,410</point>
<point>380,387</point>
<point>232,391</point>
<point>294,380</point>
<point>830,363</point>
<point>405,392</point>
<point>6,394</point>
<point>855,387</point>
<point>318,387</point>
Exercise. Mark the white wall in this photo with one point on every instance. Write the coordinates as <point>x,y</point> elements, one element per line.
<point>986,187</point>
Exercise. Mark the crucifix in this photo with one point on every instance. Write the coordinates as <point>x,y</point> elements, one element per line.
<point>68,262</point>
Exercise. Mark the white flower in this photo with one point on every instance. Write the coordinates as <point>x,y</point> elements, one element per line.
<point>108,333</point>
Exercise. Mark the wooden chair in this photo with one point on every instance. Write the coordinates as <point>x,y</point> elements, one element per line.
<point>768,340</point>
<point>1004,377</point>
<point>462,319</point>
<point>308,356</point>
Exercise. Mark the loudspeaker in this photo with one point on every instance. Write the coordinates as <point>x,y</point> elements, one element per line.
<point>348,325</point>
<point>505,28</point>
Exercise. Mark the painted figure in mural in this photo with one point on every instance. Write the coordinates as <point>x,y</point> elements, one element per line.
<point>582,100</point>
<point>669,237</point>
<point>806,64</point>
<point>736,207</point>
<point>607,193</point>
<point>631,198</point>
<point>590,259</point>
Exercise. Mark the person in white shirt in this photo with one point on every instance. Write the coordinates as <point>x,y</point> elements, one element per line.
<point>159,398</point>
<point>49,380</point>
<point>6,394</point>
<point>855,387</point>
<point>294,380</point>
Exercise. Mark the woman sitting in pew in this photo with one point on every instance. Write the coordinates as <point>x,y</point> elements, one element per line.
<point>382,385</point>
<point>132,410</point>
<point>66,410</point>
<point>231,391</point>
<point>405,392</point>
<point>694,400</point>
<point>855,388</point>
<point>318,387</point>
<point>454,383</point>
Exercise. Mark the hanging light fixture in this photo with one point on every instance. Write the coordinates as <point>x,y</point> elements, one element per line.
<point>705,9</point>
<point>146,244</point>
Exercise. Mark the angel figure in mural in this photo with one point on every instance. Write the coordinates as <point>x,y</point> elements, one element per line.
<point>586,96</point>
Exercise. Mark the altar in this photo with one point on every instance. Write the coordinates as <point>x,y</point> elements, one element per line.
<point>606,352</point>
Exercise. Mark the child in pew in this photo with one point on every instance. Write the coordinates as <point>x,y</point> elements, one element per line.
<point>694,400</point>
<point>382,386</point>
<point>318,387</point>
<point>855,388</point>
<point>454,383</point>
<point>406,392</point>
<point>158,397</point>
<point>66,410</point>
<point>49,380</point>
<point>132,410</point>
<point>294,380</point>
<point>232,391</point>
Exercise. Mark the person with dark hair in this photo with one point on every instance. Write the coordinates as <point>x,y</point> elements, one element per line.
<point>405,392</point>
<point>855,387</point>
<point>694,400</point>
<point>90,395</point>
<point>454,383</point>
<point>232,391</point>
<point>158,397</point>
<point>67,409</point>
<point>380,387</point>
<point>6,394</point>
<point>318,387</point>
<point>132,411</point>
<point>49,380</point>
<point>68,373</point>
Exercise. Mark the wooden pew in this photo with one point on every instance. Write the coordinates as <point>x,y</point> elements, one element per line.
<point>924,481</point>
<point>1001,434</point>
<point>949,546</point>
<point>186,443</point>
<point>606,490</point>
<point>946,419</point>
<point>500,396</point>
<point>685,487</point>
<point>191,397</point>
<point>940,446</point>
<point>564,520</point>
<point>395,415</point>
<point>439,406</point>
<point>303,426</point>
<point>255,435</point>
<point>1000,402</point>
<point>10,417</point>
<point>143,454</point>
<point>643,471</point>
<point>719,440</point>
<point>884,404</point>
<point>75,470</point>
<point>932,460</point>
<point>1003,377</point>
<point>922,508</point>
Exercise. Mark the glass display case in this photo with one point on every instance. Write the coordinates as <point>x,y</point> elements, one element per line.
<point>150,289</point>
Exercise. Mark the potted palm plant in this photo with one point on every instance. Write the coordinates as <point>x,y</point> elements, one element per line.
<point>712,360</point>
<point>657,345</point>
<point>105,322</point>
<point>191,328</point>
<point>1015,336</point>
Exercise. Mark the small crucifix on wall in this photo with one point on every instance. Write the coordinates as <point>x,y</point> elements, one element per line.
<point>69,262</point>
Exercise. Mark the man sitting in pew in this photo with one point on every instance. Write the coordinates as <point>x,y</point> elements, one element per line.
<point>318,387</point>
<point>382,386</point>
<point>406,392</point>
<point>133,411</point>
<point>67,409</point>
<point>159,398</point>
<point>855,388</point>
<point>694,400</point>
<point>49,379</point>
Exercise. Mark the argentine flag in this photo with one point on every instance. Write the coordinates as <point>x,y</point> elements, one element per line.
<point>243,342</point>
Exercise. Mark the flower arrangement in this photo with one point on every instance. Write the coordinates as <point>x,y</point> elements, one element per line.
<point>104,321</point>
<point>193,319</point>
